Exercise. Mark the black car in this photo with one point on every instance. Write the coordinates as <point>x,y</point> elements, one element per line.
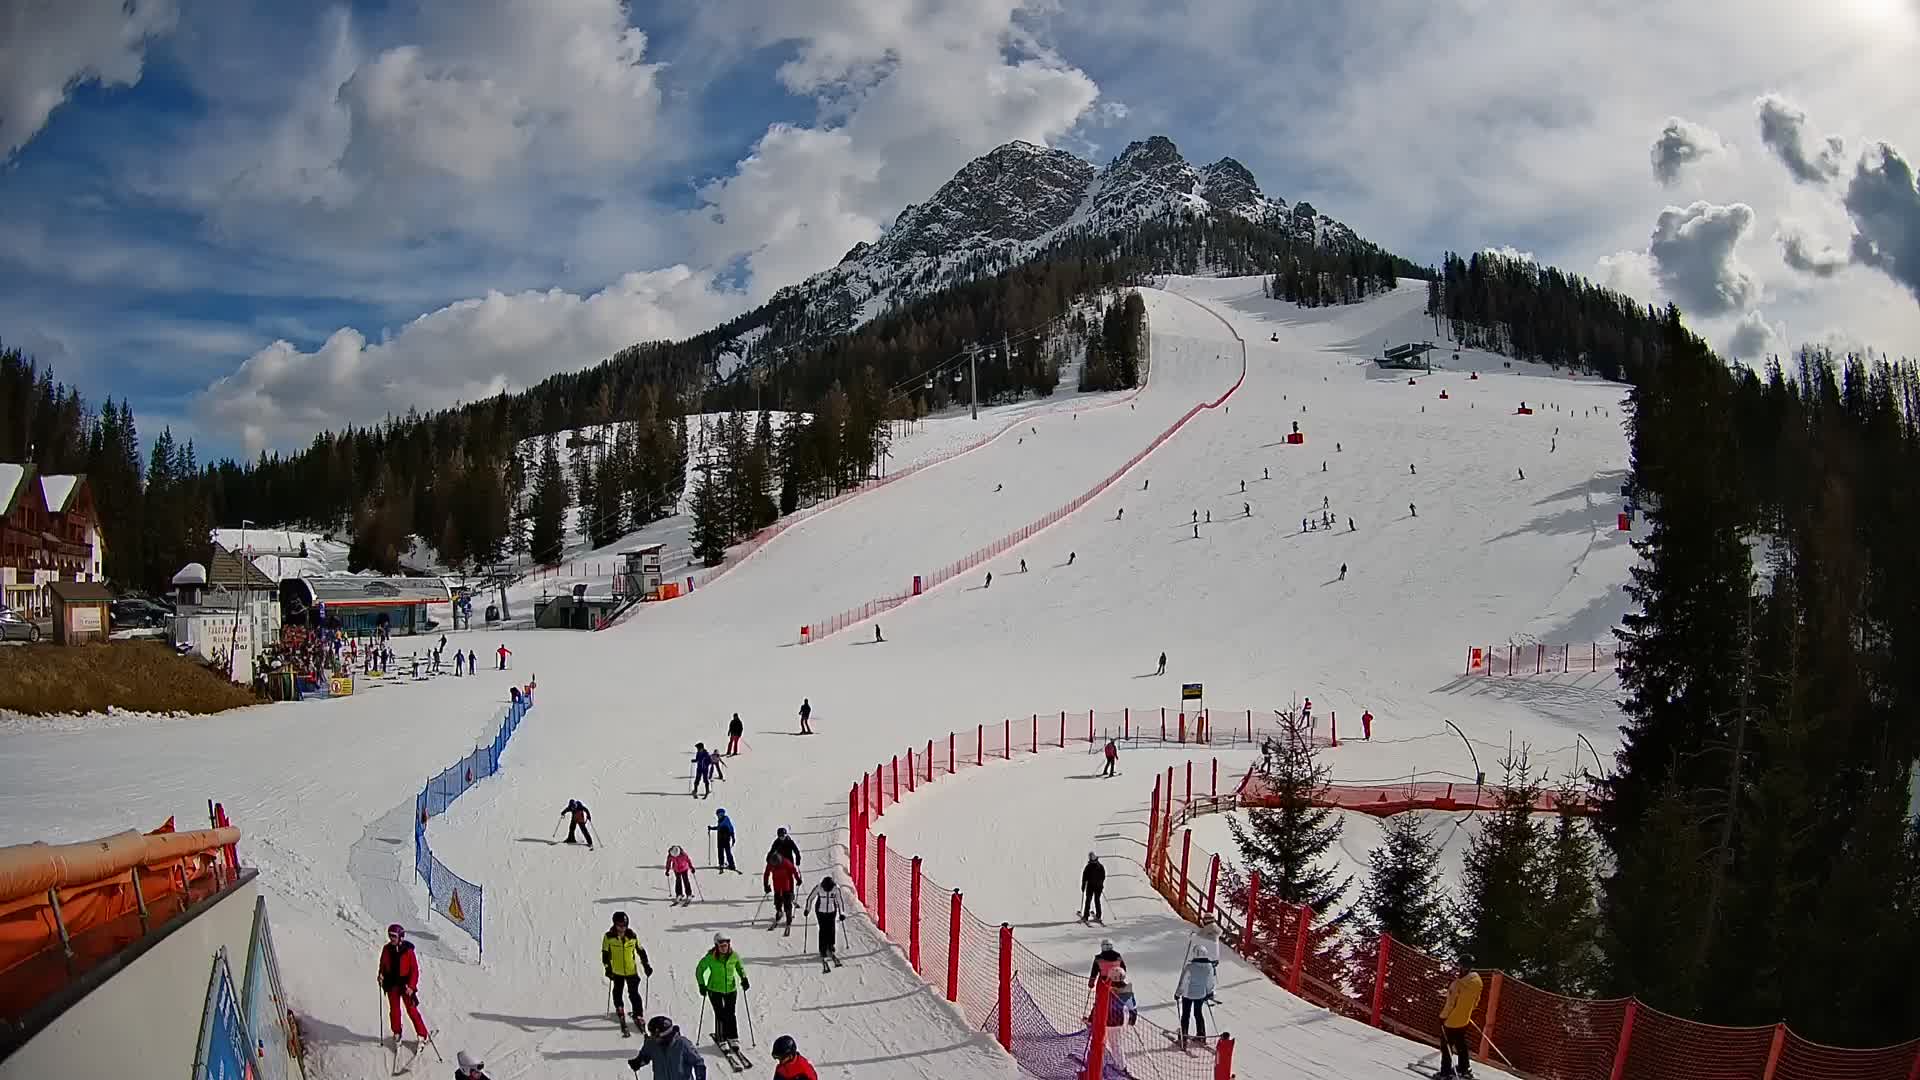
<point>135,614</point>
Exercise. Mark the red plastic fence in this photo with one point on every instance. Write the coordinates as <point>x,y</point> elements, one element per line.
<point>1521,1028</point>
<point>1538,658</point>
<point>833,624</point>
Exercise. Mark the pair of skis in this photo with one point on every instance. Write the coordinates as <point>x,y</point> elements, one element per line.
<point>829,962</point>
<point>731,1052</point>
<point>398,1067</point>
<point>787,923</point>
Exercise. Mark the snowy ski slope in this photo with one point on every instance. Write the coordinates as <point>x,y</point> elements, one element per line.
<point>1252,608</point>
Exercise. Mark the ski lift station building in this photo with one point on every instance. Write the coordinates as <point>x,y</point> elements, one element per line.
<point>363,604</point>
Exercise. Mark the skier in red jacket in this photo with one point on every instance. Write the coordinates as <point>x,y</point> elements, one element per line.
<point>791,1065</point>
<point>779,878</point>
<point>399,979</point>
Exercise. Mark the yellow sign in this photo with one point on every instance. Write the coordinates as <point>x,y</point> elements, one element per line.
<point>453,908</point>
<point>1190,691</point>
<point>340,685</point>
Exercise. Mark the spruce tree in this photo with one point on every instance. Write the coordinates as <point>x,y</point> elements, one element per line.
<point>709,536</point>
<point>1502,887</point>
<point>1570,918</point>
<point>1288,842</point>
<point>548,539</point>
<point>1402,894</point>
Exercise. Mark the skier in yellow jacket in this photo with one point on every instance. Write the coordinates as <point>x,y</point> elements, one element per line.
<point>1456,1016</point>
<point>623,959</point>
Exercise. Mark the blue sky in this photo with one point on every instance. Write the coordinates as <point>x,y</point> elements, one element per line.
<point>257,220</point>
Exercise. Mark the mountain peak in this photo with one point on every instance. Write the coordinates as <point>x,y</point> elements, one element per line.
<point>1230,186</point>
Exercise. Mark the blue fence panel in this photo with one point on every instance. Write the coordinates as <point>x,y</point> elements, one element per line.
<point>460,901</point>
<point>263,1003</point>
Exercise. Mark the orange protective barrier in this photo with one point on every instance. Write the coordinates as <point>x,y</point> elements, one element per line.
<point>1520,1028</point>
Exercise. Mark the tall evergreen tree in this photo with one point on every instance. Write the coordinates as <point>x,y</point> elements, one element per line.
<point>548,537</point>
<point>709,537</point>
<point>1288,843</point>
<point>1502,889</point>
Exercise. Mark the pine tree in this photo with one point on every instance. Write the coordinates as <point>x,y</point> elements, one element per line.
<point>709,536</point>
<point>550,501</point>
<point>1288,842</point>
<point>1502,887</point>
<point>1570,918</point>
<point>1402,894</point>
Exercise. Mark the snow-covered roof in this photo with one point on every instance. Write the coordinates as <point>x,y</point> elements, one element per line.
<point>191,574</point>
<point>11,473</point>
<point>57,489</point>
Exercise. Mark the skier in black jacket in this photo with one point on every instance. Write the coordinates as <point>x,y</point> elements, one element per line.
<point>1093,881</point>
<point>784,845</point>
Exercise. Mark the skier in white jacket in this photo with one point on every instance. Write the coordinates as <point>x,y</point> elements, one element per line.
<point>829,907</point>
<point>1196,986</point>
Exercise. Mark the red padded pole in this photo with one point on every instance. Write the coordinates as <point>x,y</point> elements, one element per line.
<point>953,949</point>
<point>1005,1032</point>
<point>1097,1030</point>
<point>1380,980</point>
<point>880,852</point>
<point>1213,882</point>
<point>913,912</point>
<point>1626,1040</point>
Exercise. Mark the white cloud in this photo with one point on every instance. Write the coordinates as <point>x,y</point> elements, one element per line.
<point>1694,258</point>
<point>1885,206</point>
<point>1508,251</point>
<point>1630,273</point>
<point>1800,253</point>
<point>1682,143</point>
<point>1783,128</point>
<point>462,352</point>
<point>1754,338</point>
<point>50,47</point>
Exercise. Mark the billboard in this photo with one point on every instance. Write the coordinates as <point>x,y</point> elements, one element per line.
<point>225,1052</point>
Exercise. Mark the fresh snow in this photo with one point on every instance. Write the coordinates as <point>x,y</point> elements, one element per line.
<point>1254,609</point>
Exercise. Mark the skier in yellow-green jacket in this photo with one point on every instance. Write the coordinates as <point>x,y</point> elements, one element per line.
<point>721,976</point>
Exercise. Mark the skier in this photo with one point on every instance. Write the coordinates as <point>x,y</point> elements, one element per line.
<point>989,583</point>
<point>721,976</point>
<point>1325,502</point>
<point>1303,524</point>
<point>473,660</point>
<point>997,487</point>
<point>1264,474</point>
<point>1246,509</point>
<point>735,729</point>
<point>466,1068</point>
<point>1023,566</point>
<point>1323,465</point>
<point>829,909</point>
<point>1144,483</point>
<point>1343,571</point>
<point>1366,725</point>
<point>1243,487</point>
<point>459,663</point>
<point>1196,515</point>
<point>1072,555</point>
<point>399,979</point>
<point>1209,517</point>
<point>876,633</point>
<point>1113,757</point>
<point>1093,881</point>
<point>806,714</point>
<point>623,958</point>
<point>1336,448</point>
<point>722,831</point>
<point>1456,1015</point>
<point>706,766</point>
<point>1411,512</point>
<point>783,845</point>
<point>1122,1008</point>
<point>577,816</point>
<point>1411,471</point>
<point>779,879</point>
<point>1196,986</point>
<point>1196,532</point>
<point>673,1057</point>
<point>790,1065</point>
<point>1306,710</point>
<point>1350,527</point>
<point>503,652</point>
<point>680,868</point>
<point>1163,665</point>
<point>1120,514</point>
<point>1522,472</point>
<point>1104,963</point>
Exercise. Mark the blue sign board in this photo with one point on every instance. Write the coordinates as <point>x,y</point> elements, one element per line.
<point>225,1051</point>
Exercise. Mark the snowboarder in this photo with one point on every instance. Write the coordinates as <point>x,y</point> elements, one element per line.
<point>989,583</point>
<point>1196,986</point>
<point>706,766</point>
<point>1112,753</point>
<point>778,880</point>
<point>503,653</point>
<point>623,959</point>
<point>1366,725</point>
<point>829,909</point>
<point>1104,963</point>
<point>721,976</point>
<point>577,816</point>
<point>1456,1015</point>
<point>735,729</point>
<point>399,979</point>
<point>789,1064</point>
<point>1163,665</point>
<point>680,868</point>
<point>467,1067</point>
<point>671,1054</point>
<point>1093,881</point>
<point>1343,571</point>
<point>806,715</point>
<point>784,846</point>
<point>723,833</point>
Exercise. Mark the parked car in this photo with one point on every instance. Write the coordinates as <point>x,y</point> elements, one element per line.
<point>133,613</point>
<point>15,627</point>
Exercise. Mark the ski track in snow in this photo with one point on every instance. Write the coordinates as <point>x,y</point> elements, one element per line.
<point>1253,609</point>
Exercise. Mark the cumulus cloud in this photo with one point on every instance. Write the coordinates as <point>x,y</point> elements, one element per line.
<point>1798,252</point>
<point>1885,207</point>
<point>1753,337</point>
<point>1783,127</point>
<point>1508,251</point>
<point>461,352</point>
<point>1682,143</point>
<point>1694,257</point>
<point>1630,273</point>
<point>48,49</point>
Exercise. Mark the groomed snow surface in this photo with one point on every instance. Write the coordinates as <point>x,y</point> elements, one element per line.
<point>1253,607</point>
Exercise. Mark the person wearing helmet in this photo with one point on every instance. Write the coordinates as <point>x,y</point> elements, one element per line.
<point>721,976</point>
<point>829,907</point>
<point>1104,962</point>
<point>722,830</point>
<point>399,979</point>
<point>680,868</point>
<point>789,1064</point>
<point>783,844</point>
<point>779,878</point>
<point>706,769</point>
<point>670,1053</point>
<point>623,959</point>
<point>468,1067</point>
<point>1093,882</point>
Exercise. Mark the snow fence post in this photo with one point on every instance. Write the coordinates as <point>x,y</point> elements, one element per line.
<point>1169,811</point>
<point>1213,881</point>
<point>1163,723</point>
<point>1380,980</point>
<point>1186,853</point>
<point>1249,727</point>
<point>1626,1040</point>
<point>1036,733</point>
<point>1188,805</point>
<point>913,911</point>
<point>880,857</point>
<point>1089,727</point>
<point>1126,724</point>
<point>1153,825</point>
<point>1305,915</point>
<point>1493,1014</point>
<point>1253,904</point>
<point>1223,1057</point>
<point>1005,1032</point>
<point>1097,1030</point>
<point>1183,727</point>
<point>929,761</point>
<point>950,741</point>
<point>911,772</point>
<point>1213,792</point>
<point>953,949</point>
<point>880,791</point>
<point>1006,739</point>
<point>1063,729</point>
<point>896,778</point>
<point>1333,726</point>
<point>979,745</point>
<point>1773,1051</point>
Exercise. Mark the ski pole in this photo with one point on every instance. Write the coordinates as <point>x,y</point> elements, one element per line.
<point>702,1022</point>
<point>1491,1044</point>
<point>698,894</point>
<point>747,1000</point>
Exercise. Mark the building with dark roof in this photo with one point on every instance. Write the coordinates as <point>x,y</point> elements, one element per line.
<point>49,531</point>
